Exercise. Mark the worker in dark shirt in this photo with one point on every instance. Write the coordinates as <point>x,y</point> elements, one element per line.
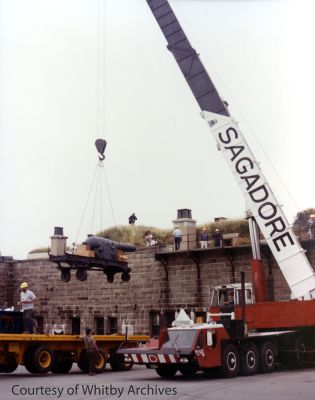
<point>132,219</point>
<point>217,236</point>
<point>92,350</point>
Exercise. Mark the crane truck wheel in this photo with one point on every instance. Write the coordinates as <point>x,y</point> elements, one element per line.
<point>267,355</point>
<point>188,369</point>
<point>230,366</point>
<point>38,359</point>
<point>249,359</point>
<point>166,370</point>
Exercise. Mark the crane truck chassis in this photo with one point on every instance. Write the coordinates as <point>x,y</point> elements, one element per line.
<point>41,353</point>
<point>235,340</point>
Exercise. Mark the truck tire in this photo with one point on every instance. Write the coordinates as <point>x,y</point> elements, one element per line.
<point>230,366</point>
<point>249,359</point>
<point>28,360</point>
<point>188,369</point>
<point>101,362</point>
<point>166,370</point>
<point>38,359</point>
<point>62,366</point>
<point>10,364</point>
<point>82,362</point>
<point>267,355</point>
<point>118,363</point>
<point>211,372</point>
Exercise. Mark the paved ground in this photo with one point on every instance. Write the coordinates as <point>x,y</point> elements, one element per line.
<point>141,384</point>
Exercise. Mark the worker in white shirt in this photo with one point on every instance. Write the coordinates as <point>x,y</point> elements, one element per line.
<point>27,304</point>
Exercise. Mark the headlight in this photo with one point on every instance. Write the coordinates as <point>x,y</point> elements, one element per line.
<point>183,360</point>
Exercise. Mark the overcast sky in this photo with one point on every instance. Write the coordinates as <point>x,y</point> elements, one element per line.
<point>75,70</point>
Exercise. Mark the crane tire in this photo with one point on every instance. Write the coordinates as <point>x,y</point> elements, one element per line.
<point>249,359</point>
<point>230,363</point>
<point>267,355</point>
<point>166,370</point>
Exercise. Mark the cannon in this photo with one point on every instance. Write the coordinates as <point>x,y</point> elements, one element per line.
<point>106,249</point>
<point>95,253</point>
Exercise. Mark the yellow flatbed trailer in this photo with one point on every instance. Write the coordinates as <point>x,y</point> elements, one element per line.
<point>41,353</point>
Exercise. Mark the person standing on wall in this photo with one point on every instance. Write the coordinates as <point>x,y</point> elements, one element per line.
<point>177,233</point>
<point>132,219</point>
<point>204,238</point>
<point>217,236</point>
<point>27,299</point>
<point>92,350</point>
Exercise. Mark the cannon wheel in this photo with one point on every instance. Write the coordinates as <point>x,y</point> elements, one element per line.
<point>81,274</point>
<point>125,277</point>
<point>65,275</point>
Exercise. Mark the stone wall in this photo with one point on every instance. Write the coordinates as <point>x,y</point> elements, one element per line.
<point>181,279</point>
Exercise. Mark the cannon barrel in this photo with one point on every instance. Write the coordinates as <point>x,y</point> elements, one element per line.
<point>125,247</point>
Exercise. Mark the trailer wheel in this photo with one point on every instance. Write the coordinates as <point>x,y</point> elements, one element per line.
<point>38,359</point>
<point>249,359</point>
<point>166,370</point>
<point>61,366</point>
<point>100,362</point>
<point>81,274</point>
<point>10,364</point>
<point>28,364</point>
<point>65,275</point>
<point>230,361</point>
<point>83,362</point>
<point>118,363</point>
<point>267,357</point>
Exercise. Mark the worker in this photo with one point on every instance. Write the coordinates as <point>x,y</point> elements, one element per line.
<point>132,219</point>
<point>177,234</point>
<point>204,238</point>
<point>92,351</point>
<point>217,236</point>
<point>27,299</point>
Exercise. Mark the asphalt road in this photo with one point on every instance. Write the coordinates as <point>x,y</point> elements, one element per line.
<point>141,383</point>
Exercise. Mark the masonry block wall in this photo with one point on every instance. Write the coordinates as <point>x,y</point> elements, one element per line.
<point>184,282</point>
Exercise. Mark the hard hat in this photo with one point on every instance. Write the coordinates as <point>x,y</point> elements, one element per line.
<point>217,230</point>
<point>24,285</point>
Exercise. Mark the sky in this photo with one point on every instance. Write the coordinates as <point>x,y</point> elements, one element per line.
<point>76,70</point>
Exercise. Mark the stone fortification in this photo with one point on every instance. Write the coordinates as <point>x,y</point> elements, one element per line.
<point>156,288</point>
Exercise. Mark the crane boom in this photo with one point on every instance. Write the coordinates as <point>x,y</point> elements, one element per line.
<point>259,197</point>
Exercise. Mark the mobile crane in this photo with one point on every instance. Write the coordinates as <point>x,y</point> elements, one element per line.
<point>240,335</point>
